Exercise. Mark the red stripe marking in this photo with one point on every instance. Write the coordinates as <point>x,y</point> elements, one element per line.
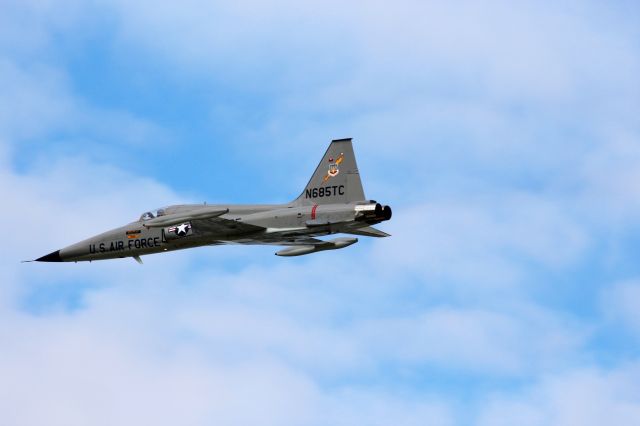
<point>313,212</point>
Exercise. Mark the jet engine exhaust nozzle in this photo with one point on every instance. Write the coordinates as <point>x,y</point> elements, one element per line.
<point>378,214</point>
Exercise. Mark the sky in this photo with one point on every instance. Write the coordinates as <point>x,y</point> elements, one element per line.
<point>505,136</point>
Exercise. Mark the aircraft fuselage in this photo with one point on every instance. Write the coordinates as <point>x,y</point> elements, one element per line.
<point>242,224</point>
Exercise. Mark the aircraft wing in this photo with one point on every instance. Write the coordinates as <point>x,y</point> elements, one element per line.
<point>225,227</point>
<point>174,219</point>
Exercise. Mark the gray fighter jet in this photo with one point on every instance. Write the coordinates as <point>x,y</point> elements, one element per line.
<point>332,202</point>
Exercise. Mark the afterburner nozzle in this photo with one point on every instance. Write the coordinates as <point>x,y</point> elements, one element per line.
<point>373,214</point>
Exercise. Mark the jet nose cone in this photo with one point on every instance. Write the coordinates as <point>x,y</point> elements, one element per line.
<point>51,257</point>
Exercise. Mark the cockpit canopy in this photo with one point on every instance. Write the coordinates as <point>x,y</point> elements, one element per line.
<point>152,214</point>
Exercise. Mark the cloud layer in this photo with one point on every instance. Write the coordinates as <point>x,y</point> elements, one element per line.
<point>506,139</point>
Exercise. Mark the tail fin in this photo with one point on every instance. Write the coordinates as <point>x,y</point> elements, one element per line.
<point>336,179</point>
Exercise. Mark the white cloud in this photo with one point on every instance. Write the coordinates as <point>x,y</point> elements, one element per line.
<point>534,49</point>
<point>62,371</point>
<point>32,100</point>
<point>582,397</point>
<point>28,27</point>
<point>38,108</point>
<point>621,305</point>
<point>487,240</point>
<point>517,342</point>
<point>609,179</point>
<point>125,359</point>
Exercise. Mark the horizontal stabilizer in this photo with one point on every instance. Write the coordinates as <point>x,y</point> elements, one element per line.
<point>367,231</point>
<point>174,219</point>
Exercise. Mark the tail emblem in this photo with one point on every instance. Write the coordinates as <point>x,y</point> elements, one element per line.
<point>333,167</point>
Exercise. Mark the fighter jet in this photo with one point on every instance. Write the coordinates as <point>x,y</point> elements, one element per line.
<point>332,202</point>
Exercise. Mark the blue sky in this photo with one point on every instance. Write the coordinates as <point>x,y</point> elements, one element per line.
<point>506,138</point>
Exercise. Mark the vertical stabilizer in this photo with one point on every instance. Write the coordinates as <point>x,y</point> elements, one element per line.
<point>336,179</point>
